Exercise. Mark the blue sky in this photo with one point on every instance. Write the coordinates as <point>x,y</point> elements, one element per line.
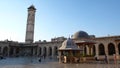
<point>55,18</point>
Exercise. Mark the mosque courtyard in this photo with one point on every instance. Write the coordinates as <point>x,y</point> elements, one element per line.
<point>32,62</point>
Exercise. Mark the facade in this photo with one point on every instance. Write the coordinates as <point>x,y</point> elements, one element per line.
<point>108,45</point>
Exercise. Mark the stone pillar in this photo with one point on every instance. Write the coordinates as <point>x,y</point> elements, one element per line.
<point>2,50</point>
<point>91,50</point>
<point>47,48</point>
<point>117,51</point>
<point>42,53</point>
<point>83,50</point>
<point>87,50</point>
<point>106,51</point>
<point>97,50</point>
<point>53,52</point>
<point>38,49</point>
<point>60,59</point>
<point>116,48</point>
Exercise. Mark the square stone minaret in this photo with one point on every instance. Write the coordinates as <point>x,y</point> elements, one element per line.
<point>30,25</point>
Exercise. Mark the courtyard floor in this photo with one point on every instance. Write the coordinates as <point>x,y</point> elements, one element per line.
<point>28,62</point>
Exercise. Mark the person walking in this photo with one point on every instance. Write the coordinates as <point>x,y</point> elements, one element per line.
<point>39,60</point>
<point>115,59</point>
<point>96,58</point>
<point>106,60</point>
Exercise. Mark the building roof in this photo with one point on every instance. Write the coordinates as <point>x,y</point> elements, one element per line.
<point>69,45</point>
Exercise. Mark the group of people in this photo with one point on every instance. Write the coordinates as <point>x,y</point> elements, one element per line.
<point>105,59</point>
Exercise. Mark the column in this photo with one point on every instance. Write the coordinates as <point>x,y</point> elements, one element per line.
<point>106,51</point>
<point>53,52</point>
<point>97,50</point>
<point>87,50</point>
<point>14,52</point>
<point>60,58</point>
<point>47,51</point>
<point>38,51</point>
<point>92,50</point>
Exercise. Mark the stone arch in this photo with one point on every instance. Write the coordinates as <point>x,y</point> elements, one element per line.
<point>11,51</point>
<point>45,51</point>
<point>111,49</point>
<point>17,51</point>
<point>50,51</point>
<point>5,51</point>
<point>40,51</point>
<point>119,48</point>
<point>55,50</point>
<point>101,49</point>
<point>94,50</point>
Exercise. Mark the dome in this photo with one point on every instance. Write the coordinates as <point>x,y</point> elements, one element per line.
<point>80,35</point>
<point>69,45</point>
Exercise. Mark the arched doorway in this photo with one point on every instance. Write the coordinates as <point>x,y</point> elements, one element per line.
<point>119,48</point>
<point>94,50</point>
<point>111,49</point>
<point>11,51</point>
<point>55,51</point>
<point>50,51</point>
<point>17,51</point>
<point>101,49</point>
<point>45,52</point>
<point>40,51</point>
<point>5,51</point>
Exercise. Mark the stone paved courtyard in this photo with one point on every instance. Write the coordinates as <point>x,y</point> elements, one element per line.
<point>28,62</point>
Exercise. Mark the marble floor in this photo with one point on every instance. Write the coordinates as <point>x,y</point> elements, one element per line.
<point>28,62</point>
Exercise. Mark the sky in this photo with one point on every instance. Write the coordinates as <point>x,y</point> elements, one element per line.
<point>56,18</point>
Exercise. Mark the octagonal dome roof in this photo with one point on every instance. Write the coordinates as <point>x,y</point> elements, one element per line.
<point>80,35</point>
<point>69,45</point>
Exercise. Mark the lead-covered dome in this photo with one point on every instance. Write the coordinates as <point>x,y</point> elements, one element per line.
<point>80,35</point>
<point>69,45</point>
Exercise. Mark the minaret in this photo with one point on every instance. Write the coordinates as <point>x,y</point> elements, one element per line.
<point>30,25</point>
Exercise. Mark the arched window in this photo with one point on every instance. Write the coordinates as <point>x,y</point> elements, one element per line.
<point>40,51</point>
<point>119,48</point>
<point>111,49</point>
<point>17,51</point>
<point>5,51</point>
<point>55,50</point>
<point>11,51</point>
<point>101,49</point>
<point>50,51</point>
<point>45,51</point>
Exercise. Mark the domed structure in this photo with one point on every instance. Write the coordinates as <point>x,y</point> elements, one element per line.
<point>69,45</point>
<point>80,35</point>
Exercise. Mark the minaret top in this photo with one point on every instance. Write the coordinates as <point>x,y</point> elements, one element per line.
<point>31,7</point>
